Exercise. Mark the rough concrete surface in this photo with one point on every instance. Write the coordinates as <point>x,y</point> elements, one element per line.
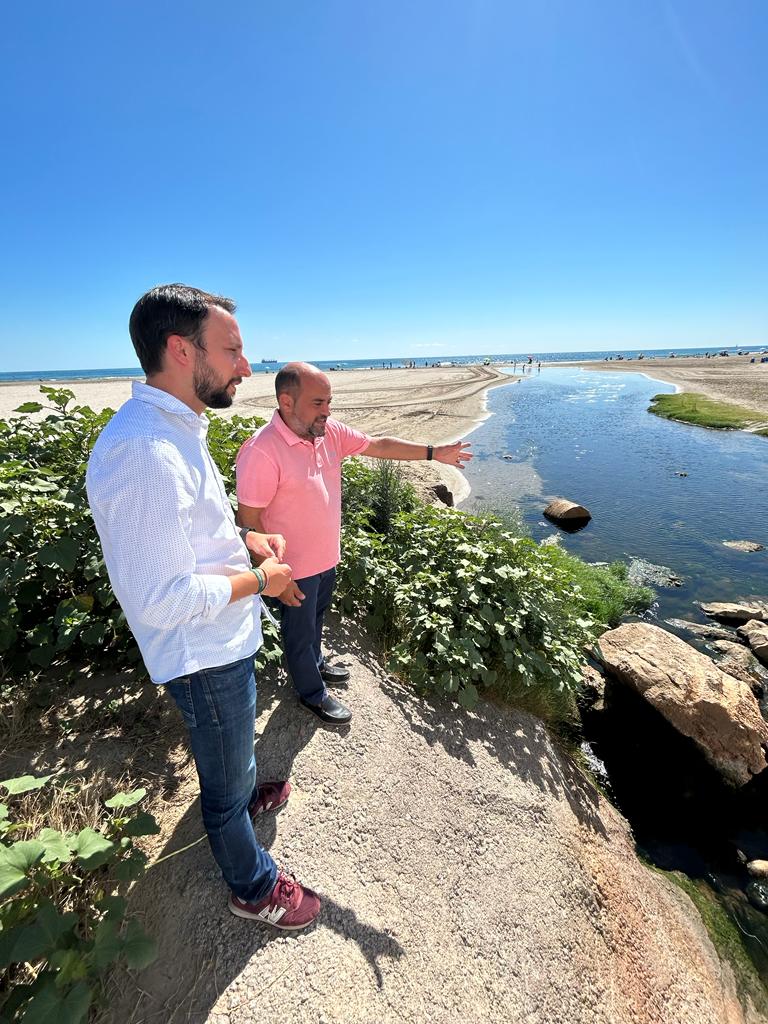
<point>468,871</point>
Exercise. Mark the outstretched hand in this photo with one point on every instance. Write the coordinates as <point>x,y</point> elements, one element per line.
<point>456,454</point>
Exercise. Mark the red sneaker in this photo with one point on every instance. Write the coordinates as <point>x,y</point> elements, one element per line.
<point>289,906</point>
<point>270,797</point>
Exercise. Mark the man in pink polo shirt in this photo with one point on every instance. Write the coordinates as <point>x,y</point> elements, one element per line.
<point>289,482</point>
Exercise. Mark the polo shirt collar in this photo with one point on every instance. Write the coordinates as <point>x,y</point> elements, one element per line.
<point>285,431</point>
<point>162,400</point>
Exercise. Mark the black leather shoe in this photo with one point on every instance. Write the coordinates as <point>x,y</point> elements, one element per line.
<point>331,710</point>
<point>334,674</point>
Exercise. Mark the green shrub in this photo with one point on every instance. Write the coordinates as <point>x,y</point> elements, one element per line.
<point>56,603</point>
<point>465,605</point>
<point>604,589</point>
<point>62,920</point>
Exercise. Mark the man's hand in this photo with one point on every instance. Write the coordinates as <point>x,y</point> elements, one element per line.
<point>278,577</point>
<point>291,596</point>
<point>265,545</point>
<point>453,454</point>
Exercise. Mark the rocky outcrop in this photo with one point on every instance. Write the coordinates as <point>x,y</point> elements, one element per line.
<point>744,545</point>
<point>727,611</point>
<point>567,513</point>
<point>756,635</point>
<point>715,710</point>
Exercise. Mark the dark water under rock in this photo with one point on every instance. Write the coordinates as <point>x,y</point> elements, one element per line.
<point>587,436</point>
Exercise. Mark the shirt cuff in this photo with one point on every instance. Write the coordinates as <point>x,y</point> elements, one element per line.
<point>218,594</point>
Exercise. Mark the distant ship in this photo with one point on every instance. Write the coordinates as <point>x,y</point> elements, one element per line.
<point>269,360</point>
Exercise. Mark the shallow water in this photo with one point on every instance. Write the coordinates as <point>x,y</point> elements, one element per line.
<point>587,436</point>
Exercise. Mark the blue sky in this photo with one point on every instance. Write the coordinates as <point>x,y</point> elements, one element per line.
<point>373,178</point>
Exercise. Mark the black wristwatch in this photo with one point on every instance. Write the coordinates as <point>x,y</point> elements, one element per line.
<point>430,452</point>
<point>244,531</point>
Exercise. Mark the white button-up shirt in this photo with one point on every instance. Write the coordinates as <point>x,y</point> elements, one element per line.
<point>169,537</point>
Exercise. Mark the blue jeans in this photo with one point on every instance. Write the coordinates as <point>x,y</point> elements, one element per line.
<point>219,708</point>
<point>302,633</point>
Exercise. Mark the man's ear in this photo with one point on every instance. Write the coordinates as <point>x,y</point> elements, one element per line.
<point>285,401</point>
<point>179,350</point>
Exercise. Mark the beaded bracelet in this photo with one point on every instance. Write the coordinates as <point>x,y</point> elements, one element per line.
<point>261,576</point>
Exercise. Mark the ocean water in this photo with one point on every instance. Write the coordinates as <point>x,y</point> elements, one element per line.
<point>270,366</point>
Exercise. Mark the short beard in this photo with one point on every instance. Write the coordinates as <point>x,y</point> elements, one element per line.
<point>209,390</point>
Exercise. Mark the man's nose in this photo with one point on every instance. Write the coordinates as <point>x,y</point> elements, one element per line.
<point>245,367</point>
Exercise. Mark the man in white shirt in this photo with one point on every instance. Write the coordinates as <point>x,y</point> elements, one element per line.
<point>181,570</point>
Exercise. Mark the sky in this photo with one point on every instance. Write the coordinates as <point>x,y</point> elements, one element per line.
<point>394,178</point>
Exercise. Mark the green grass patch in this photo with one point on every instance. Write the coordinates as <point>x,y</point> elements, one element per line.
<point>688,407</point>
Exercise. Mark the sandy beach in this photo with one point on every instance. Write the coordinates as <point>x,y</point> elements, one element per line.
<point>725,378</point>
<point>430,404</point>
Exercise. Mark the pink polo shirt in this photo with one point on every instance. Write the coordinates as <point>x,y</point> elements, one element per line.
<point>298,484</point>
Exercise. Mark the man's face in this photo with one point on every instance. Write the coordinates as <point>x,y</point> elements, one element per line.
<point>306,412</point>
<point>221,366</point>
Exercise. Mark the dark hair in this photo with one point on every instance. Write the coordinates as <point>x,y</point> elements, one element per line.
<point>288,380</point>
<point>170,309</point>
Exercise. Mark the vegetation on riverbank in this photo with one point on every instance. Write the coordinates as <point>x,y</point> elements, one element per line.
<point>465,604</point>
<point>688,407</point>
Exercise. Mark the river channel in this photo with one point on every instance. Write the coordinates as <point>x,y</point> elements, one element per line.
<point>668,494</point>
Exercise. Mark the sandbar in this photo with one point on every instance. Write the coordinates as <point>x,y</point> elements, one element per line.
<point>435,405</point>
<point>724,378</point>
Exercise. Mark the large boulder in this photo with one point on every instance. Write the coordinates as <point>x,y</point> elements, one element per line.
<point>744,545</point>
<point>719,713</point>
<point>567,513</point>
<point>727,611</point>
<point>756,635</point>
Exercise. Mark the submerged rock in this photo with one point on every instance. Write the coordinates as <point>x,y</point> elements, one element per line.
<point>443,494</point>
<point>757,894</point>
<point>715,710</point>
<point>643,574</point>
<point>756,635</point>
<point>744,545</point>
<point>758,868</point>
<point>567,513</point>
<point>740,662</point>
<point>736,612</point>
<point>703,629</point>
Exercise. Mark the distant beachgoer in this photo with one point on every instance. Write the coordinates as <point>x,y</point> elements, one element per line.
<point>181,570</point>
<point>289,481</point>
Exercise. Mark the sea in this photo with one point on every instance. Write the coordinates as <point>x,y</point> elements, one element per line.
<point>272,365</point>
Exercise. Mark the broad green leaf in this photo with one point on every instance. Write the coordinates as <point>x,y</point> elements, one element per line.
<point>138,948</point>
<point>62,553</point>
<point>131,868</point>
<point>468,696</point>
<point>41,938</point>
<point>15,863</point>
<point>92,849</point>
<point>57,845</point>
<point>50,1006</point>
<point>24,783</point>
<point>126,799</point>
<point>107,944</point>
<point>142,825</point>
<point>112,906</point>
<point>29,407</point>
